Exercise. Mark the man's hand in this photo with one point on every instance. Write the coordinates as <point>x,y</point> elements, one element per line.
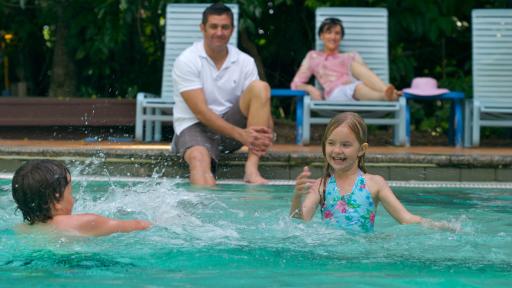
<point>257,139</point>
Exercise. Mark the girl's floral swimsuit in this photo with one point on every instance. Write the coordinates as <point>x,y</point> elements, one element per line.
<point>353,211</point>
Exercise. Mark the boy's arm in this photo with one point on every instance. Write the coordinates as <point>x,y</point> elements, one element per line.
<point>97,225</point>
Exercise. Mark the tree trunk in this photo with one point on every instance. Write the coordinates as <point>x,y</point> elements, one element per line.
<point>63,78</point>
<point>253,51</point>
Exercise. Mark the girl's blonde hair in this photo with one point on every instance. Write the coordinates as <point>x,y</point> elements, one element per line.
<point>356,124</point>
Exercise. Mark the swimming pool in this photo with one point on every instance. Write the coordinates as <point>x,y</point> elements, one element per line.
<point>240,235</point>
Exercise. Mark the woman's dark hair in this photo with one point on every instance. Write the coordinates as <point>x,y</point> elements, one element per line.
<point>36,186</point>
<point>217,9</point>
<point>328,23</point>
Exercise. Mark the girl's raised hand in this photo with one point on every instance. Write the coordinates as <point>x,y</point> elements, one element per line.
<point>303,188</point>
<point>303,183</point>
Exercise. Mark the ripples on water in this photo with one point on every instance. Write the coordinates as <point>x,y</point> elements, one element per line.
<point>245,231</point>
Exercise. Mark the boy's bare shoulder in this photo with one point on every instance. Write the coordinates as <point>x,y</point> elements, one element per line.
<point>76,222</point>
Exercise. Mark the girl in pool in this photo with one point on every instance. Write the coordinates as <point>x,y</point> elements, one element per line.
<point>344,76</point>
<point>347,195</point>
<point>42,191</point>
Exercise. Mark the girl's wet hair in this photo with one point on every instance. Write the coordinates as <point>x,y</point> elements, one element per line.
<point>36,186</point>
<point>356,124</point>
<point>328,23</point>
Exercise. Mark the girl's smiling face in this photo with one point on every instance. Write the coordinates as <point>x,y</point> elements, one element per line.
<point>342,150</point>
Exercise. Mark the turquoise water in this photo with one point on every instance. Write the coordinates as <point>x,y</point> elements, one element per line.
<point>240,235</point>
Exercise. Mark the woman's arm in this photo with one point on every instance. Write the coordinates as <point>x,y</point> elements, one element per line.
<point>311,90</point>
<point>302,77</point>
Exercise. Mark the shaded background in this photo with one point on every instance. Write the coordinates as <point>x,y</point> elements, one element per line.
<point>114,48</point>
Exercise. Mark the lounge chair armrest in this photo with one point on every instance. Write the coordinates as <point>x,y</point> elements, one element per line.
<point>143,95</point>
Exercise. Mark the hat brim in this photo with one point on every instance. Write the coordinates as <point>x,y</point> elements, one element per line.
<point>426,92</point>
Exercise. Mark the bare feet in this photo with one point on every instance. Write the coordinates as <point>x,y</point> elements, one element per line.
<point>254,178</point>
<point>390,93</point>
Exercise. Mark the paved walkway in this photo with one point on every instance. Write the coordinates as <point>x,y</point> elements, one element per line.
<point>277,148</point>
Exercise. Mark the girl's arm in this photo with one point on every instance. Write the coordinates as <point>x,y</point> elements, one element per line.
<point>391,203</point>
<point>305,186</point>
<point>399,212</point>
<point>97,225</point>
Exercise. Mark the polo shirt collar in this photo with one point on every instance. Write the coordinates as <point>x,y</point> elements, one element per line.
<point>232,53</point>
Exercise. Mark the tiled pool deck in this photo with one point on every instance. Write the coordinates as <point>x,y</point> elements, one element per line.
<point>283,161</point>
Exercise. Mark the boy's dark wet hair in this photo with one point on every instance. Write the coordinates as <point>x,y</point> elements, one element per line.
<point>328,23</point>
<point>217,9</point>
<point>36,186</point>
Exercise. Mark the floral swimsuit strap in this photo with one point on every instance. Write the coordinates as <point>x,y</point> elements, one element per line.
<point>354,211</point>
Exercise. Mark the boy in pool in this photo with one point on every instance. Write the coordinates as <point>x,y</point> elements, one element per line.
<point>42,192</point>
<point>347,195</point>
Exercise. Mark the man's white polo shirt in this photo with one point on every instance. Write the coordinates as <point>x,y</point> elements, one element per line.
<point>193,69</point>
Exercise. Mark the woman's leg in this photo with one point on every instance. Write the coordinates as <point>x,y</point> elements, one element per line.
<point>381,90</point>
<point>363,92</point>
<point>370,79</point>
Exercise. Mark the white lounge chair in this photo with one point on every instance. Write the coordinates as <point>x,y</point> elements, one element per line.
<point>367,33</point>
<point>492,73</point>
<point>181,31</point>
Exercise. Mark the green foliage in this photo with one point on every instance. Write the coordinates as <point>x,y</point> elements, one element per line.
<point>117,44</point>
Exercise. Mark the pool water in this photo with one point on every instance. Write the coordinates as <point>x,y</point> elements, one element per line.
<point>241,235</point>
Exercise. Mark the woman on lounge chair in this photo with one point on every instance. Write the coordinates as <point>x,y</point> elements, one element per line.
<point>344,76</point>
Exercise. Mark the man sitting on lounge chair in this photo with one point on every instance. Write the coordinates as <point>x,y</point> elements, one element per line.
<point>220,102</point>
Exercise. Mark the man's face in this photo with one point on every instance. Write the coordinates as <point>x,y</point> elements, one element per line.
<point>217,31</point>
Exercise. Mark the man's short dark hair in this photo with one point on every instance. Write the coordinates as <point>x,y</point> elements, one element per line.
<point>328,23</point>
<point>36,186</point>
<point>217,9</point>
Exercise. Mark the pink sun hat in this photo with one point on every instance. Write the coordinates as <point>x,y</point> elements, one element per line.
<point>425,86</point>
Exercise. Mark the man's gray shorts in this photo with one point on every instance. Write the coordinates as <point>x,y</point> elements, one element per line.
<point>199,134</point>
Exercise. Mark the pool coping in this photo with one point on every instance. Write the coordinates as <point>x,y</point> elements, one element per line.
<point>283,162</point>
<point>284,182</point>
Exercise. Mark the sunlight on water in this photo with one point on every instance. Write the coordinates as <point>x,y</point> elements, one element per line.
<point>201,235</point>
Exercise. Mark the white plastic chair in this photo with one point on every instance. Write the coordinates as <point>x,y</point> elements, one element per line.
<point>492,73</point>
<point>181,31</point>
<point>366,32</point>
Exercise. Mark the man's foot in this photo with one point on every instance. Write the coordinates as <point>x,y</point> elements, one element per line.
<point>254,178</point>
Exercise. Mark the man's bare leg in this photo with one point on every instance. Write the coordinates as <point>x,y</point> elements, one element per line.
<point>255,105</point>
<point>199,163</point>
